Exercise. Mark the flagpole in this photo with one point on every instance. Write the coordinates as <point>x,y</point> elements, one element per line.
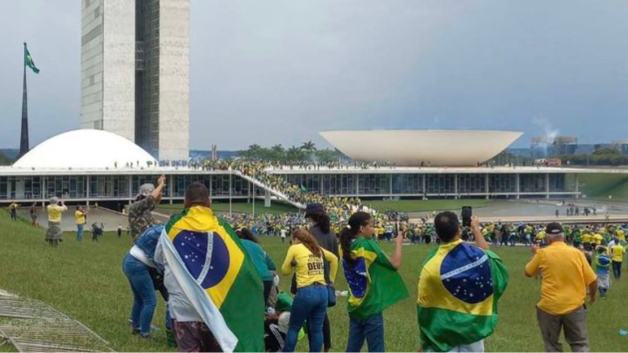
<point>24,145</point>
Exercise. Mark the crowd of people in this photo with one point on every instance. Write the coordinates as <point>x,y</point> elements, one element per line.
<point>210,270</point>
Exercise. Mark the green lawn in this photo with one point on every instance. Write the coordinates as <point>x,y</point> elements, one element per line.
<point>236,207</point>
<point>86,282</point>
<point>599,186</point>
<point>423,206</point>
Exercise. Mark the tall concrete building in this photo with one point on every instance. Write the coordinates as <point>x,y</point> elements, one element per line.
<point>135,72</point>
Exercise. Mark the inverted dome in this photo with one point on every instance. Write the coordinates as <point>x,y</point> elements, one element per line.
<point>451,148</point>
<point>84,149</point>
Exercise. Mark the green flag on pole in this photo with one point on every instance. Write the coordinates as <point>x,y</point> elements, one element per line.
<point>28,61</point>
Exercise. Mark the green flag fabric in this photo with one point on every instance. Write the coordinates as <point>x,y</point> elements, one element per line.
<point>374,284</point>
<point>459,288</point>
<point>28,61</point>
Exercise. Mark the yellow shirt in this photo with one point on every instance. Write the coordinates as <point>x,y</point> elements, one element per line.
<point>540,235</point>
<point>80,217</point>
<point>598,239</point>
<point>54,212</point>
<point>566,274</point>
<point>586,238</point>
<point>621,235</point>
<point>617,252</point>
<point>310,268</point>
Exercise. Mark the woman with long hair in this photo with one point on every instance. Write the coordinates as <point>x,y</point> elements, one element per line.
<point>320,228</point>
<point>263,264</point>
<point>374,283</point>
<point>306,256</point>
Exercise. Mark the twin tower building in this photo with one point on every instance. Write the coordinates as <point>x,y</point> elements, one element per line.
<point>135,72</point>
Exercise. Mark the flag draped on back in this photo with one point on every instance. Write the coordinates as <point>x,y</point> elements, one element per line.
<point>28,60</point>
<point>374,284</point>
<point>459,288</point>
<point>217,277</point>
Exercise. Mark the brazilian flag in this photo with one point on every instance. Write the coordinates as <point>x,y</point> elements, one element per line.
<point>374,284</point>
<point>28,60</point>
<point>459,287</point>
<point>217,276</point>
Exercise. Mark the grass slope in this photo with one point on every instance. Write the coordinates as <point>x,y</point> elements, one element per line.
<point>86,282</point>
<point>599,186</point>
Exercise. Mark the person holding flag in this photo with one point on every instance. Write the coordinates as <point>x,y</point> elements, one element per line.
<point>374,283</point>
<point>216,296</point>
<point>459,288</point>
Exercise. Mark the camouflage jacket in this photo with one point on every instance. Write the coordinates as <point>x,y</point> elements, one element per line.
<point>140,217</point>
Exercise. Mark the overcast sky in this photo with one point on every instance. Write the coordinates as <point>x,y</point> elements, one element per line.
<point>272,72</point>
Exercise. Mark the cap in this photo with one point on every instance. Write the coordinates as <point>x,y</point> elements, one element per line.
<point>146,189</point>
<point>314,208</point>
<point>554,228</point>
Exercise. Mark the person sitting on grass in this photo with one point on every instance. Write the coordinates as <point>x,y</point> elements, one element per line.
<point>602,266</point>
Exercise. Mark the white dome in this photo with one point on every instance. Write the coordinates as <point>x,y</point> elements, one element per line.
<point>84,149</point>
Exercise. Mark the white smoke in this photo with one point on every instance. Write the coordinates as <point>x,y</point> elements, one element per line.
<point>549,132</point>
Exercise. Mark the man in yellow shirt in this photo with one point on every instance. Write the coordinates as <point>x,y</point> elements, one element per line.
<point>13,209</point>
<point>620,234</point>
<point>586,240</point>
<point>80,215</point>
<point>597,239</point>
<point>540,237</point>
<point>55,210</point>
<point>566,275</point>
<point>617,256</point>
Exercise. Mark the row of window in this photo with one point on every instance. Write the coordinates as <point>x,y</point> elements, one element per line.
<point>331,184</point>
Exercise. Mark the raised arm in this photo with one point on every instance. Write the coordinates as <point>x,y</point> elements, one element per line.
<point>286,268</point>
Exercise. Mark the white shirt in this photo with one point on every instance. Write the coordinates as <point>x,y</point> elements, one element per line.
<point>283,233</point>
<point>180,308</point>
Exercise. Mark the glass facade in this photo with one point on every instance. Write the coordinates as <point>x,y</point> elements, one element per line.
<point>532,183</point>
<point>117,186</point>
<point>374,184</point>
<point>339,184</point>
<point>471,183</point>
<point>502,183</point>
<point>407,184</point>
<point>440,183</point>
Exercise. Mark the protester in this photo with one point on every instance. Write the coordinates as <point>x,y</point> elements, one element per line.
<point>80,218</point>
<point>602,266</point>
<point>218,304</point>
<point>13,210</point>
<point>277,324</point>
<point>374,283</point>
<point>263,263</point>
<point>565,274</point>
<point>34,213</point>
<point>320,228</point>
<point>461,284</point>
<point>136,266</point>
<point>310,302</point>
<point>140,217</point>
<point>617,252</point>
<point>119,231</point>
<point>55,211</point>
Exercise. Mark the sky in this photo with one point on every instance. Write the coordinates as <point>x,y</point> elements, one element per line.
<point>278,72</point>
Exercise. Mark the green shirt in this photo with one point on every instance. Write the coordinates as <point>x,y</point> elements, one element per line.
<point>263,263</point>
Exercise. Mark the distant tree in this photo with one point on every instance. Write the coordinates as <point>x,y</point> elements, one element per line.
<point>326,156</point>
<point>308,146</point>
<point>4,160</point>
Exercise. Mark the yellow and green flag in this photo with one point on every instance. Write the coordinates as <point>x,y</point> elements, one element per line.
<point>374,284</point>
<point>459,288</point>
<point>217,276</point>
<point>28,60</point>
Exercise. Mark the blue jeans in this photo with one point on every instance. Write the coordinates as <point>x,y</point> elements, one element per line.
<point>309,304</point>
<point>144,301</point>
<point>79,232</point>
<point>372,329</point>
